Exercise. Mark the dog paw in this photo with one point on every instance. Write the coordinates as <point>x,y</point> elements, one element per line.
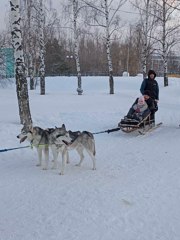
<point>93,168</point>
<point>61,173</point>
<point>44,168</point>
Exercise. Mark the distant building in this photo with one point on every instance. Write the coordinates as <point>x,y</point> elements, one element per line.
<point>6,63</point>
<point>173,64</point>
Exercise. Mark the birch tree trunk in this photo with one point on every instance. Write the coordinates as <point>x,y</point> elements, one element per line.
<point>30,45</point>
<point>108,51</point>
<point>164,45</point>
<point>76,47</point>
<point>21,81</point>
<point>145,48</point>
<point>42,50</point>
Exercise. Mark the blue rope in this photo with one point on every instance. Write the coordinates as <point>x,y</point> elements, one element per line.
<point>10,149</point>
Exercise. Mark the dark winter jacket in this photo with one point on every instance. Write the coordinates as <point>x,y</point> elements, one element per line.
<point>152,86</point>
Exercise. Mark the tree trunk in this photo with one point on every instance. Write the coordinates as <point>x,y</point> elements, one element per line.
<point>76,48</point>
<point>30,45</point>
<point>110,68</point>
<point>21,81</point>
<point>145,49</point>
<point>42,50</point>
<point>164,45</point>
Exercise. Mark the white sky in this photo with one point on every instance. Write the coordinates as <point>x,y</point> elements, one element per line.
<point>5,7</point>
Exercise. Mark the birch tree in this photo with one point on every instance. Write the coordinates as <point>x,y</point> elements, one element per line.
<point>30,44</point>
<point>21,81</point>
<point>109,59</point>
<point>145,47</point>
<point>105,16</point>
<point>168,33</point>
<point>42,49</point>
<point>27,26</point>
<point>76,46</point>
<point>148,22</point>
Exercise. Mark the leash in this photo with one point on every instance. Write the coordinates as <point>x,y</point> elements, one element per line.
<point>31,146</point>
<point>109,130</point>
<point>11,149</point>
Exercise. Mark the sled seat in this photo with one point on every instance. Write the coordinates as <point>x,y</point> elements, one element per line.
<point>130,125</point>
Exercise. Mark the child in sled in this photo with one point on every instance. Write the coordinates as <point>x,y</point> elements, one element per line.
<point>138,111</point>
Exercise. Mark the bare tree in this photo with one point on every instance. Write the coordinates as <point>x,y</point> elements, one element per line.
<point>148,22</point>
<point>28,25</point>
<point>168,33</point>
<point>21,81</point>
<point>30,44</point>
<point>76,46</point>
<point>104,14</point>
<point>145,49</point>
<point>42,49</point>
<point>110,67</point>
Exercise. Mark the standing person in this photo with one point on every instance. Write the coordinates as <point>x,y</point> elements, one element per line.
<point>151,85</point>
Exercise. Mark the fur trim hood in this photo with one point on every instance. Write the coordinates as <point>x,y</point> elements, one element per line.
<point>151,72</point>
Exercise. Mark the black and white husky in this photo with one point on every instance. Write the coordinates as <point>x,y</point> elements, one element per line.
<point>62,141</point>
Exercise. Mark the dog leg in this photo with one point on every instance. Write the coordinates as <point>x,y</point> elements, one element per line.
<point>55,156</point>
<point>46,154</point>
<point>64,160</point>
<point>68,157</point>
<point>39,151</point>
<point>79,149</point>
<point>93,158</point>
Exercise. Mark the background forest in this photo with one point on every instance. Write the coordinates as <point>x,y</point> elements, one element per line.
<point>134,35</point>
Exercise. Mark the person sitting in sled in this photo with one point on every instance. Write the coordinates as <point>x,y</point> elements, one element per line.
<point>139,110</point>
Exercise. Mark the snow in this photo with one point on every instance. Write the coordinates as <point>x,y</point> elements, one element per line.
<point>133,195</point>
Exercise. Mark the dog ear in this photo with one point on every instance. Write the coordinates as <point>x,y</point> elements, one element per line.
<point>30,127</point>
<point>26,128</point>
<point>63,126</point>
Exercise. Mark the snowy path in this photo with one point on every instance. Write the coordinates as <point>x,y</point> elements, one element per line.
<point>133,195</point>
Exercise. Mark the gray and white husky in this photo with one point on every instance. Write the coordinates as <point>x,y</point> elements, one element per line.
<point>62,141</point>
<point>39,138</point>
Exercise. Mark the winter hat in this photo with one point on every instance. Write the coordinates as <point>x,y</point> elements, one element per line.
<point>151,72</point>
<point>141,100</point>
<point>147,92</point>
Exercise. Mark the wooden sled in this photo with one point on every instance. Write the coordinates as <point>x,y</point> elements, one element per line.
<point>130,125</point>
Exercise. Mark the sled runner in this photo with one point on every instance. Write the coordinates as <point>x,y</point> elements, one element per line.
<point>130,125</point>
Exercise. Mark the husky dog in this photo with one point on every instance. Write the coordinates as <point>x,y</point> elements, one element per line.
<point>58,147</point>
<point>39,138</point>
<point>67,140</point>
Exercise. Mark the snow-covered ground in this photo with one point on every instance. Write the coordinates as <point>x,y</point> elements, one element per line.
<point>133,195</point>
